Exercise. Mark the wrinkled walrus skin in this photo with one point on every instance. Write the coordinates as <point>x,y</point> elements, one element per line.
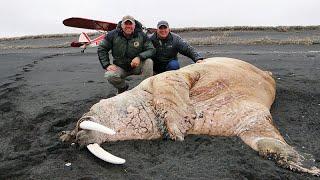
<point>219,97</point>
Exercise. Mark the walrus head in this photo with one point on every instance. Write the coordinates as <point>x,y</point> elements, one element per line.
<point>113,119</point>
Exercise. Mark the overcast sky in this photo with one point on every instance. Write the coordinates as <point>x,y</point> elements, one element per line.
<point>30,17</point>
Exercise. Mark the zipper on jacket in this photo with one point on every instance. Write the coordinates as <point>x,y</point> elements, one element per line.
<point>126,53</point>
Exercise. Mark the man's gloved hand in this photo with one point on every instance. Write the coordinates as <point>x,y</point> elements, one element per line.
<point>135,62</point>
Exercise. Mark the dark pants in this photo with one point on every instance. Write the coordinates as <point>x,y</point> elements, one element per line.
<point>173,65</point>
<point>162,67</point>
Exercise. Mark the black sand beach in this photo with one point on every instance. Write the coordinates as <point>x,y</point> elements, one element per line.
<point>43,91</point>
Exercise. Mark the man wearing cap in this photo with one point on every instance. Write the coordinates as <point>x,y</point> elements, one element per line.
<point>131,51</point>
<point>168,45</point>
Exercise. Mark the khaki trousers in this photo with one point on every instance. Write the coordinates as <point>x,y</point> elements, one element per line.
<point>117,77</point>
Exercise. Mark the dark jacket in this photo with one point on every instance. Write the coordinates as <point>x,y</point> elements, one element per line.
<point>169,48</point>
<point>124,49</point>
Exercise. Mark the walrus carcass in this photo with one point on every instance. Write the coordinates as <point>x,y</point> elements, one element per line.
<point>219,97</point>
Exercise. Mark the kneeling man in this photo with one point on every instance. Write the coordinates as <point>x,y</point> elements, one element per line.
<point>131,50</point>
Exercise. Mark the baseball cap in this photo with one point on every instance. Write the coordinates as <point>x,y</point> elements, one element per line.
<point>128,18</point>
<point>162,23</point>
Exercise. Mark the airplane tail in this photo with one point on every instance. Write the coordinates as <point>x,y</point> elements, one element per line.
<point>85,41</point>
<point>84,38</point>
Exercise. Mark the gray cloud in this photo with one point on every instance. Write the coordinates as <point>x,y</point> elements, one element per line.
<point>45,17</point>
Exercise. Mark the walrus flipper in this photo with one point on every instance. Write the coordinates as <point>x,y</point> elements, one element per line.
<point>261,135</point>
<point>172,103</point>
<point>286,156</point>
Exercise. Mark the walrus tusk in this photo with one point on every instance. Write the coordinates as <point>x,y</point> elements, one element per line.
<point>95,148</point>
<point>90,125</point>
<point>99,152</point>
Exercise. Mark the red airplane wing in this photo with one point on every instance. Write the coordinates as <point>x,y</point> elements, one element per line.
<point>89,24</point>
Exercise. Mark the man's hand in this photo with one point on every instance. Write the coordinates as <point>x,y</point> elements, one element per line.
<point>111,67</point>
<point>199,61</point>
<point>135,62</point>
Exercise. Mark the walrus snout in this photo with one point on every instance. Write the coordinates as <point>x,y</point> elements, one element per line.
<point>85,126</point>
<point>67,136</point>
<point>82,136</point>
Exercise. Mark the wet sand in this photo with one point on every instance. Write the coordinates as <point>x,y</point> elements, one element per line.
<point>43,91</point>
